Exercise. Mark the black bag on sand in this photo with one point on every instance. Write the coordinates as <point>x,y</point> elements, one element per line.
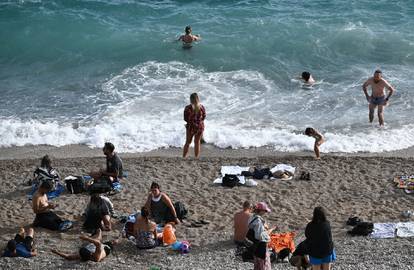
<point>230,180</point>
<point>362,228</point>
<point>103,185</point>
<point>180,210</point>
<point>75,184</point>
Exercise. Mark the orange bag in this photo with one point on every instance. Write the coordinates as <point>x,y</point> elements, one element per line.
<point>168,235</point>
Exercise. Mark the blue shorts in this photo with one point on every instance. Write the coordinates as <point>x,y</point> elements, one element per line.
<point>377,100</point>
<point>327,259</point>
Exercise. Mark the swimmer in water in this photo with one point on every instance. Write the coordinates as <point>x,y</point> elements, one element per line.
<point>188,38</point>
<point>307,78</point>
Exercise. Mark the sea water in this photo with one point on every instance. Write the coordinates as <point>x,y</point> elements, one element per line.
<point>86,72</point>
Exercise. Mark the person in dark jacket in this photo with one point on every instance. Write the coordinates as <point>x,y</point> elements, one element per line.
<point>319,241</point>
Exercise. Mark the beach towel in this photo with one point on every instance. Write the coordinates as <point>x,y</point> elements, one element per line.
<point>284,168</point>
<point>50,195</point>
<point>237,170</point>
<point>405,229</point>
<point>280,241</point>
<point>384,230</point>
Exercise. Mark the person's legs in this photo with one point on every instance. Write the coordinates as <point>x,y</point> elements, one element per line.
<point>381,114</point>
<point>188,139</point>
<point>197,144</point>
<point>97,235</point>
<point>326,266</point>
<point>316,267</point>
<point>316,148</point>
<point>28,240</point>
<point>48,220</point>
<point>371,112</point>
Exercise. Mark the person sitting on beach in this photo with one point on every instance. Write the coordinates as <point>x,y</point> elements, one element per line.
<point>300,257</point>
<point>46,173</point>
<point>241,223</point>
<point>114,169</point>
<point>45,218</point>
<point>95,250</point>
<point>194,115</point>
<point>145,231</point>
<point>97,214</point>
<point>188,38</point>
<point>21,245</point>
<point>160,206</point>
<point>377,98</point>
<point>319,139</point>
<point>259,233</point>
<point>319,241</point>
<point>307,78</point>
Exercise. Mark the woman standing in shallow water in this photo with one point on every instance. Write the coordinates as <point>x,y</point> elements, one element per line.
<point>194,115</point>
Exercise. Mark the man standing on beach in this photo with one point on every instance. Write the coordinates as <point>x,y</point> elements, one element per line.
<point>377,97</point>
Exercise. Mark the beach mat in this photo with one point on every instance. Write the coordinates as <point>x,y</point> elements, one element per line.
<point>50,195</point>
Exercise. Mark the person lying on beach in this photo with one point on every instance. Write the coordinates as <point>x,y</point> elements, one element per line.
<point>21,245</point>
<point>114,168</point>
<point>377,98</point>
<point>45,218</point>
<point>145,231</point>
<point>188,38</point>
<point>307,78</point>
<point>97,215</point>
<point>319,139</point>
<point>194,116</point>
<point>95,250</point>
<point>160,206</point>
<point>241,223</point>
<point>265,173</point>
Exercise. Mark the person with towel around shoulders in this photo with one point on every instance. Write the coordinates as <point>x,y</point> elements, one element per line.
<point>160,206</point>
<point>194,115</point>
<point>319,241</point>
<point>261,231</point>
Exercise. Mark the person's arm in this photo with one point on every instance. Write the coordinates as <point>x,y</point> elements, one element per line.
<point>203,113</point>
<point>364,88</point>
<point>148,204</point>
<point>67,256</point>
<point>196,37</point>
<point>180,38</point>
<point>90,240</point>
<point>187,114</point>
<point>307,231</point>
<point>168,202</point>
<point>390,90</point>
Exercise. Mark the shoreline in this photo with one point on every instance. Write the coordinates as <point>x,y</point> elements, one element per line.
<point>207,151</point>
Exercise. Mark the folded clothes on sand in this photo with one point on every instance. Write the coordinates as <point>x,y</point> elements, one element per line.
<point>384,230</point>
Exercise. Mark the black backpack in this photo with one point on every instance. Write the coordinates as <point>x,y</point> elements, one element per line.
<point>180,210</point>
<point>103,185</point>
<point>362,228</point>
<point>75,184</point>
<point>230,180</point>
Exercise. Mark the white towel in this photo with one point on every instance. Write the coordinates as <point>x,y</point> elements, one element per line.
<point>237,170</point>
<point>405,229</point>
<point>283,167</point>
<point>384,230</point>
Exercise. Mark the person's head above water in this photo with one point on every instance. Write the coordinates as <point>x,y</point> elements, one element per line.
<point>188,30</point>
<point>306,76</point>
<point>377,75</point>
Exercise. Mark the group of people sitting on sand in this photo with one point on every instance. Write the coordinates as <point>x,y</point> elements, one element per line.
<point>253,232</point>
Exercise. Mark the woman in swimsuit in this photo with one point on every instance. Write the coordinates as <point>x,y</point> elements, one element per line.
<point>188,38</point>
<point>194,115</point>
<point>311,132</point>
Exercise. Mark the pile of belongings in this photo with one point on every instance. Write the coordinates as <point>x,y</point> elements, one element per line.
<point>405,182</point>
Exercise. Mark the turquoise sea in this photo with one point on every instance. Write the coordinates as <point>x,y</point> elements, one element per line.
<point>84,72</point>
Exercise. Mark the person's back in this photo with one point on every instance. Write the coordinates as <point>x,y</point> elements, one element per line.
<point>241,220</point>
<point>319,239</point>
<point>145,231</point>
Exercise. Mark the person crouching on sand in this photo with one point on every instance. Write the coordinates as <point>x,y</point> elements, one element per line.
<point>194,115</point>
<point>319,139</point>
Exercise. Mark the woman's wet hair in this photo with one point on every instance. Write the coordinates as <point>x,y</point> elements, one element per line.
<point>308,131</point>
<point>319,215</point>
<point>306,75</point>
<point>46,162</point>
<point>85,254</point>
<point>188,29</point>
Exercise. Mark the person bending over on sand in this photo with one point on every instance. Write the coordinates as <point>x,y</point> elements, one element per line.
<point>377,97</point>
<point>241,223</point>
<point>160,206</point>
<point>307,78</point>
<point>45,218</point>
<point>194,115</point>
<point>300,257</point>
<point>95,250</point>
<point>188,38</point>
<point>97,215</point>
<point>145,231</point>
<point>259,230</point>
<point>319,139</point>
<point>21,245</point>
<point>319,241</point>
<point>114,170</point>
